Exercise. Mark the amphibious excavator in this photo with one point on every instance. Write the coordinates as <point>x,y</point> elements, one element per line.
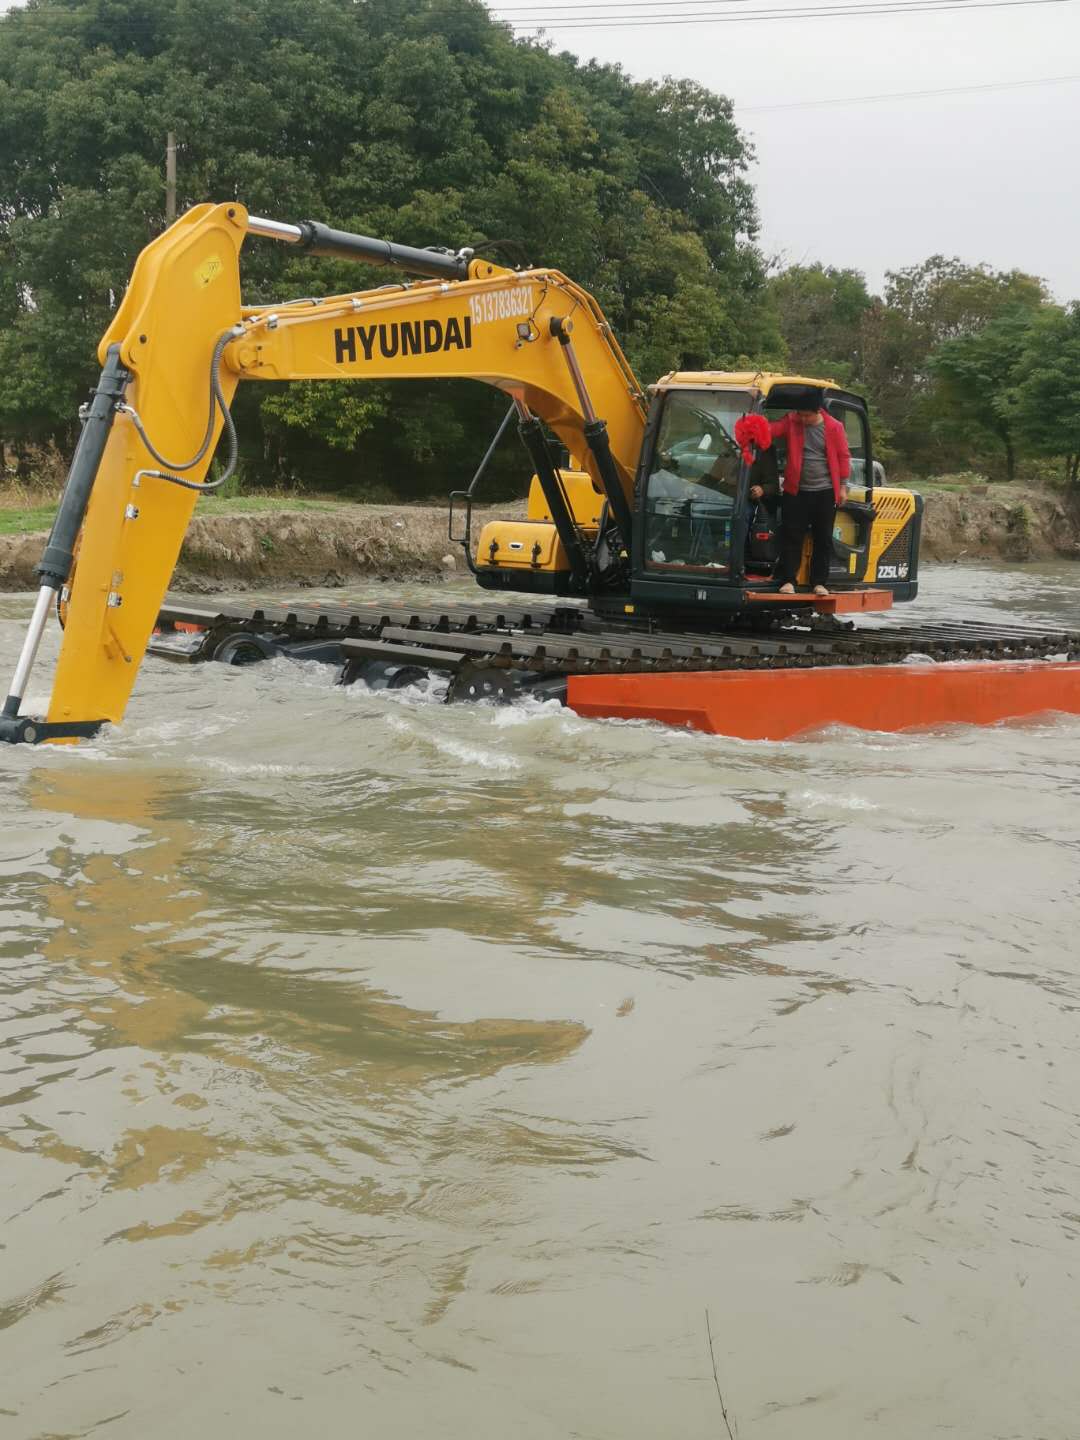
<point>644,562</point>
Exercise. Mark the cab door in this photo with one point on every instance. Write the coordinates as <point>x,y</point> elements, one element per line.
<point>689,492</point>
<point>854,519</point>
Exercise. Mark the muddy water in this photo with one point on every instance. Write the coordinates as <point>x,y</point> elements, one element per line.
<point>376,1068</point>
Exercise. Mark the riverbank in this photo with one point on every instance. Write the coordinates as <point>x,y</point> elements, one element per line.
<point>255,542</point>
<point>236,545</point>
<point>999,522</point>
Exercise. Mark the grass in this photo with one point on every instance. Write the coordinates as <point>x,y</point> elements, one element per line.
<point>933,487</point>
<point>258,504</point>
<point>26,522</point>
<point>23,513</point>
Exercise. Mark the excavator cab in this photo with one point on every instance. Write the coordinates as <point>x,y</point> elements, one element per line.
<point>701,542</point>
<point>697,543</point>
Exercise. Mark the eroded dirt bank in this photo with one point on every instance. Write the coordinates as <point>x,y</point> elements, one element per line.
<point>338,546</point>
<point>1003,522</point>
<point>290,547</point>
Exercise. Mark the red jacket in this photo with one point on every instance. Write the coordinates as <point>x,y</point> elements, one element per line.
<point>837,454</point>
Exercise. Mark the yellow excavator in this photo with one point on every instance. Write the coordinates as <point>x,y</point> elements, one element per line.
<point>649,520</point>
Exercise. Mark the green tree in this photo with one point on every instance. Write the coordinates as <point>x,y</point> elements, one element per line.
<point>821,310</point>
<point>945,299</point>
<point>1044,405</point>
<point>424,121</point>
<point>976,375</point>
<point>923,307</point>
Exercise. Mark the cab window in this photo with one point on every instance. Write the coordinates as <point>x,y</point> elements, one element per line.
<point>854,423</point>
<point>692,484</point>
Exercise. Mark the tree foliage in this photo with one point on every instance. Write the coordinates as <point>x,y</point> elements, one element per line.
<point>423,121</point>
<point>939,354</point>
<point>426,122</point>
<point>1044,402</point>
<point>821,312</point>
<point>976,373</point>
<point>924,308</point>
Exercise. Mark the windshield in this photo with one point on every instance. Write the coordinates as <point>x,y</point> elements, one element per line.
<point>693,481</point>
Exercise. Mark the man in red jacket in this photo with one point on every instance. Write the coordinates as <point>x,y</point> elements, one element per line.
<point>815,482</point>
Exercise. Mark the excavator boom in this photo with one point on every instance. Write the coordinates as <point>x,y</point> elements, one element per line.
<point>180,343</point>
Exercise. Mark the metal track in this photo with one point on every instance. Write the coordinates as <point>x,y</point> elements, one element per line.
<point>539,642</point>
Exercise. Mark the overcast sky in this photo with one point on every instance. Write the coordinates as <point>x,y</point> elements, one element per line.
<point>990,176</point>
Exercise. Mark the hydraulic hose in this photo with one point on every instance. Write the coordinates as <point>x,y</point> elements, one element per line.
<point>217,400</point>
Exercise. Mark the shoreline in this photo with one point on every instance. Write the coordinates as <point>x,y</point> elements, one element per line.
<point>332,546</point>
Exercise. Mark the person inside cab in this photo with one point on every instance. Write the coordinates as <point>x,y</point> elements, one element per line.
<point>815,483</point>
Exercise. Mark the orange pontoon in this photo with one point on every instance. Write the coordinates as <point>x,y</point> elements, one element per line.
<point>775,705</point>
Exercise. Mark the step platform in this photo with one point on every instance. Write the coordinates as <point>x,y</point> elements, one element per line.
<point>838,602</point>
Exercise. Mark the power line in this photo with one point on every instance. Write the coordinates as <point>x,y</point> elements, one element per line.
<point>606,5</point>
<point>825,12</point>
<point>658,13</point>
<point>882,7</point>
<point>907,95</point>
<point>578,11</point>
<point>144,27</point>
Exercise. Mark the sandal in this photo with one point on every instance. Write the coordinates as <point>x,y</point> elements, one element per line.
<point>821,590</point>
<point>787,589</point>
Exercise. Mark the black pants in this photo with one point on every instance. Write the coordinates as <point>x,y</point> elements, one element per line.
<point>813,511</point>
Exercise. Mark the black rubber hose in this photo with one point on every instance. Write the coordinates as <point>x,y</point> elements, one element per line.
<point>217,398</point>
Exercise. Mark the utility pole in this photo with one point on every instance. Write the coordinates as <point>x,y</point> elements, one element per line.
<point>170,178</point>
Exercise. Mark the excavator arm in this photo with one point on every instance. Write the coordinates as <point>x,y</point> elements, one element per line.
<point>180,343</point>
